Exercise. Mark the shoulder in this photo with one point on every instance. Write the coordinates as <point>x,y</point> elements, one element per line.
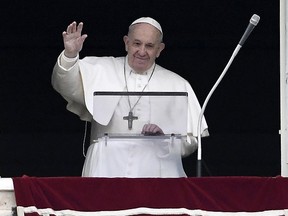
<point>94,60</point>
<point>168,74</point>
<point>168,80</point>
<point>101,65</point>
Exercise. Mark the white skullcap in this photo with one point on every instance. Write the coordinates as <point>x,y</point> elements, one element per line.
<point>148,20</point>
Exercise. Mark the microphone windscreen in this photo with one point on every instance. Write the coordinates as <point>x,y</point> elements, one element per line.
<point>254,19</point>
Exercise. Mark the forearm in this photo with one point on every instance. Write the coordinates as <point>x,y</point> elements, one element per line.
<point>66,79</point>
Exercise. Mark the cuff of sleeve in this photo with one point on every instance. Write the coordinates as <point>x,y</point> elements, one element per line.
<point>66,62</point>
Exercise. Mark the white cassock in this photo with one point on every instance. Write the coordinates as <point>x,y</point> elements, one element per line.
<point>125,157</point>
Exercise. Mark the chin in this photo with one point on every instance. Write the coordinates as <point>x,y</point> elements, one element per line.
<point>140,68</point>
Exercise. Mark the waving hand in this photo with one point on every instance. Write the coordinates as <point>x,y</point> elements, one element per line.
<point>73,40</point>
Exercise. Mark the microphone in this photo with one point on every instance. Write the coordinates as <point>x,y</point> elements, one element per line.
<point>253,22</point>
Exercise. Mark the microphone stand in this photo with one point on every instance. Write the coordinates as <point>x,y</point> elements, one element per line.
<point>253,22</point>
<point>199,153</point>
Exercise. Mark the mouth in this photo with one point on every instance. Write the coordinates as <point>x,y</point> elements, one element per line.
<point>140,59</point>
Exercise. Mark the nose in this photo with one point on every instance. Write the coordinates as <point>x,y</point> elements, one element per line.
<point>142,50</point>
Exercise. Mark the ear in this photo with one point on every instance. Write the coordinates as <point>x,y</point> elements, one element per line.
<point>161,47</point>
<point>126,40</point>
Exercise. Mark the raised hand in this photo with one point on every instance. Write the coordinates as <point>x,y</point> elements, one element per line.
<point>73,40</point>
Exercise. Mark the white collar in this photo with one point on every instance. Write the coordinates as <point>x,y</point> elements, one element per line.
<point>130,71</point>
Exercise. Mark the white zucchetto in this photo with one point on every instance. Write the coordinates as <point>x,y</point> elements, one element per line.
<point>148,20</point>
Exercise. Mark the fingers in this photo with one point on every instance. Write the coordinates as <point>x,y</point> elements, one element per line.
<point>80,27</point>
<point>73,28</point>
<point>151,129</point>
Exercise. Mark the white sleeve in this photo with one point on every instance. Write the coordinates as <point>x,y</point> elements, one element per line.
<point>189,145</point>
<point>66,80</point>
<point>194,109</point>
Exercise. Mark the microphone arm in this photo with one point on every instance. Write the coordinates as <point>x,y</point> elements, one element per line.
<point>253,22</point>
<point>199,153</point>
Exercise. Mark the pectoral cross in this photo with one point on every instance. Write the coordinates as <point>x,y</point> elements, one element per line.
<point>130,119</point>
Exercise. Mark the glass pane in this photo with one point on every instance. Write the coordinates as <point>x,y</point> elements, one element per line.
<point>132,110</point>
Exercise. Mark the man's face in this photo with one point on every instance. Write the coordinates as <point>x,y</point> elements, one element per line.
<point>143,46</point>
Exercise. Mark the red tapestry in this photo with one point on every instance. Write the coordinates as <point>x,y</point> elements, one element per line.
<point>220,194</point>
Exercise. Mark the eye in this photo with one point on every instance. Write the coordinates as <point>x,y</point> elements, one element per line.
<point>150,46</point>
<point>136,43</point>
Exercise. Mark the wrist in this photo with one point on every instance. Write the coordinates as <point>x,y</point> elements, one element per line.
<point>70,55</point>
<point>69,58</point>
<point>67,62</point>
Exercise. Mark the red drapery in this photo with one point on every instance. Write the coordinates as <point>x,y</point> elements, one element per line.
<point>223,194</point>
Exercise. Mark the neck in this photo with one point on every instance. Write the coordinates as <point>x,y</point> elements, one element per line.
<point>150,71</point>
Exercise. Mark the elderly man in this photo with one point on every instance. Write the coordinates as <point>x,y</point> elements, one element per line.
<point>77,79</point>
